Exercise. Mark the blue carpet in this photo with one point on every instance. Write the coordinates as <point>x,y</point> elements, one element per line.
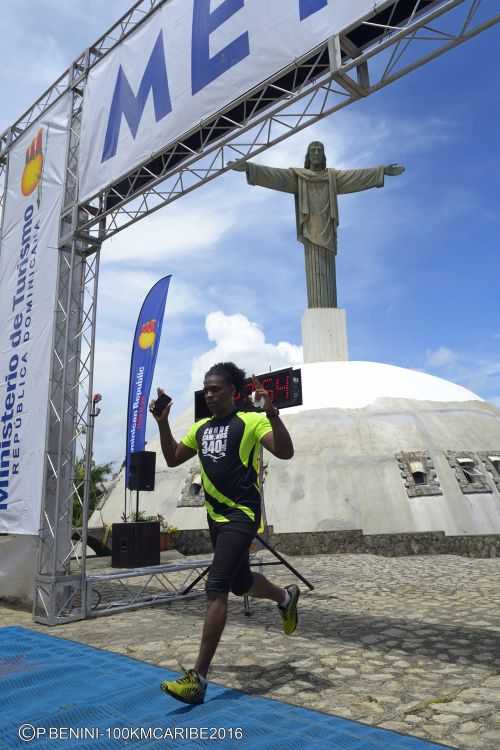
<point>75,696</point>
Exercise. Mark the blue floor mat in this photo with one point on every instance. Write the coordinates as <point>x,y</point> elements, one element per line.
<point>65,694</point>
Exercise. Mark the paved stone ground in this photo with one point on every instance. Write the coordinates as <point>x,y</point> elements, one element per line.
<point>410,643</point>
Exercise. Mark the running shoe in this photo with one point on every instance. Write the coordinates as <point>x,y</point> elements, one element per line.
<point>289,613</point>
<point>190,688</point>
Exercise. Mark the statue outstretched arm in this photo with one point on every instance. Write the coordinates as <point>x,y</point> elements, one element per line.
<point>269,177</point>
<point>355,180</point>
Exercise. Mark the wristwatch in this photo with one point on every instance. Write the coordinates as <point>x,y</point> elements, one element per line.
<point>275,413</point>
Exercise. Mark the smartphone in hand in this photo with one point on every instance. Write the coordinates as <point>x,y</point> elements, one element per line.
<point>161,402</point>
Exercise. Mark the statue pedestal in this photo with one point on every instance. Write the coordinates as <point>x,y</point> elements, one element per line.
<point>324,335</point>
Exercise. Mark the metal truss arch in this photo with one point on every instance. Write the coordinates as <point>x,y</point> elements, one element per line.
<point>77,73</point>
<point>396,39</point>
<point>346,68</point>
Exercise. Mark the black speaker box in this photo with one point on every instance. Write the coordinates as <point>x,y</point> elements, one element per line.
<point>135,545</point>
<point>142,467</point>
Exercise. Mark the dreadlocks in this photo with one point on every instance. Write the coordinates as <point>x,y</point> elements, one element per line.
<point>235,376</point>
<point>232,375</point>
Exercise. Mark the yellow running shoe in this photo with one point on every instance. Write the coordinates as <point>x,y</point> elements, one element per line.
<point>190,688</point>
<point>289,613</point>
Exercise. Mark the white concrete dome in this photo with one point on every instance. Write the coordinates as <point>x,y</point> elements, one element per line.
<point>355,419</point>
<point>354,385</point>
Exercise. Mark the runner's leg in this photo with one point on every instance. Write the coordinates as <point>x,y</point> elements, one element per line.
<point>230,547</point>
<point>263,588</point>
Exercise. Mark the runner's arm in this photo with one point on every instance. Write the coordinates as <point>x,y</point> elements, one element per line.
<point>175,453</point>
<point>278,442</point>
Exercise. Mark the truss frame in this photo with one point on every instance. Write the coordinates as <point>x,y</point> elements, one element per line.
<point>78,71</point>
<point>334,75</point>
<point>61,569</point>
<point>157,585</point>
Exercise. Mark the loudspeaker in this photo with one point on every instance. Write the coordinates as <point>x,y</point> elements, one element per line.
<point>135,545</point>
<point>142,467</point>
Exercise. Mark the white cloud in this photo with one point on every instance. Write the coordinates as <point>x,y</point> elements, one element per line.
<point>373,225</point>
<point>111,376</point>
<point>360,139</point>
<point>112,363</point>
<point>291,152</point>
<point>194,238</point>
<point>176,231</point>
<point>441,357</point>
<point>479,374</point>
<point>239,339</point>
<point>122,292</point>
<point>215,238</point>
<point>40,41</point>
<point>235,337</point>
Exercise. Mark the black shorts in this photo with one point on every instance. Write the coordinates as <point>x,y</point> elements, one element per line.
<point>230,569</point>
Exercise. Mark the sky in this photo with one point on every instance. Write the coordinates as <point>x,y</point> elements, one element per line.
<point>417,269</point>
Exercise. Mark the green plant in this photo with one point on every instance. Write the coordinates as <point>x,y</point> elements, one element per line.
<point>165,526</point>
<point>138,516</point>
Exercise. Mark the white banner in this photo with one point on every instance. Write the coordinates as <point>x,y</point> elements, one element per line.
<point>187,62</point>
<point>28,285</point>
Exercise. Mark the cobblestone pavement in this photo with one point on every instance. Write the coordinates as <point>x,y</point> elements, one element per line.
<point>409,643</point>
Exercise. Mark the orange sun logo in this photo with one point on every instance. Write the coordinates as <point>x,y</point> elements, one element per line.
<point>147,335</point>
<point>34,165</point>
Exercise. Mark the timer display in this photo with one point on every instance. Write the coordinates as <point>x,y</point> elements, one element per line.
<point>285,387</point>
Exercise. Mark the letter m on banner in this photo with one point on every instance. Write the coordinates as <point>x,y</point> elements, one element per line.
<point>125,103</point>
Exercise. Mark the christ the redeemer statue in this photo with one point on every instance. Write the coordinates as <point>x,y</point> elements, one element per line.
<point>316,188</point>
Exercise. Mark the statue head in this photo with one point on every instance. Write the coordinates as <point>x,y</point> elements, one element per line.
<point>315,157</point>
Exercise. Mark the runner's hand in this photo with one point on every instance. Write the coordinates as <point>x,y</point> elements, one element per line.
<point>262,395</point>
<point>166,411</point>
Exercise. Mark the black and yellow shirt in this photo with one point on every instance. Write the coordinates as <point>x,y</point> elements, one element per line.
<point>229,453</point>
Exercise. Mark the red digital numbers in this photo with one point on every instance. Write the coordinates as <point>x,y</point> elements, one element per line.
<point>285,390</point>
<point>278,385</point>
<point>282,387</point>
<point>268,383</point>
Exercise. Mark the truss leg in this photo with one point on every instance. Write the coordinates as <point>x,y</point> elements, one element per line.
<point>196,580</point>
<point>59,589</point>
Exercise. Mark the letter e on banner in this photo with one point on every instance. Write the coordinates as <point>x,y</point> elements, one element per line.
<point>204,68</point>
<point>184,64</point>
<point>308,7</point>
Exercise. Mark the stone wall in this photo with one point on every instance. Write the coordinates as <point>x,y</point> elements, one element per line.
<point>481,545</point>
<point>354,541</point>
<point>194,542</point>
<point>197,541</point>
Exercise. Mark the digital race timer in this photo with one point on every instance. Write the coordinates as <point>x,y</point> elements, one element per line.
<point>285,387</point>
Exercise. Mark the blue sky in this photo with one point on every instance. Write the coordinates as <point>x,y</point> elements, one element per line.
<point>418,261</point>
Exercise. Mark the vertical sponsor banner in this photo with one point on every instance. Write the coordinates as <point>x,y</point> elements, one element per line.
<point>28,287</point>
<point>143,360</point>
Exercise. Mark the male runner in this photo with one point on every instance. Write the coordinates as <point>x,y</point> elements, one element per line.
<point>228,447</point>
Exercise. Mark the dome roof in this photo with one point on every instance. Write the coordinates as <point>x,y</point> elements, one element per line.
<point>355,385</point>
<point>356,420</point>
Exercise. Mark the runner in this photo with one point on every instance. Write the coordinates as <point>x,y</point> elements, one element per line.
<point>228,446</point>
